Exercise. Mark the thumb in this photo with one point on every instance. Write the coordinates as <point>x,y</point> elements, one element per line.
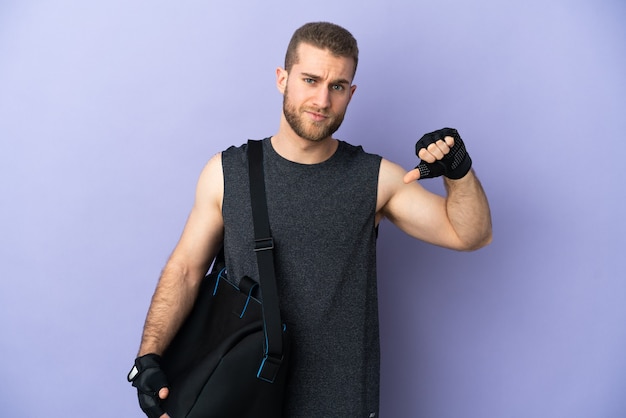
<point>411,176</point>
<point>164,393</point>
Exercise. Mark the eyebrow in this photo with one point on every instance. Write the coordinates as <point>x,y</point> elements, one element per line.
<point>316,77</point>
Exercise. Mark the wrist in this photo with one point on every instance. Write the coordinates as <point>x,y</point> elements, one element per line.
<point>459,181</point>
<point>150,345</point>
<point>460,169</point>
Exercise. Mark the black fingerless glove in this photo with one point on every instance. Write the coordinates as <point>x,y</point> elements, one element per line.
<point>147,376</point>
<point>454,165</point>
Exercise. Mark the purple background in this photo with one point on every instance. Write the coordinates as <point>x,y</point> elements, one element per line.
<point>109,110</point>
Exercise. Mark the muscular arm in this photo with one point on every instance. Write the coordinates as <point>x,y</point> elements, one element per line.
<point>468,211</point>
<point>178,285</point>
<point>460,221</point>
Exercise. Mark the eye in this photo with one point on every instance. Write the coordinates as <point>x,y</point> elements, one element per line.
<point>309,80</point>
<point>337,87</point>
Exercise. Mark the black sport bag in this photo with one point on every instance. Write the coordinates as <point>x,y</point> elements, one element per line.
<point>213,363</point>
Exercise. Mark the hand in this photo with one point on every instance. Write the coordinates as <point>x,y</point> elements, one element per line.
<point>151,383</point>
<point>442,153</point>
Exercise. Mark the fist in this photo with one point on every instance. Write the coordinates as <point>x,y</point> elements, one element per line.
<point>151,383</point>
<point>442,153</point>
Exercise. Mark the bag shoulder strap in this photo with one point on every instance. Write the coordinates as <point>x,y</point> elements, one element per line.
<point>264,250</point>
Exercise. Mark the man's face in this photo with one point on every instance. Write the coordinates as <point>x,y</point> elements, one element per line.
<point>316,92</point>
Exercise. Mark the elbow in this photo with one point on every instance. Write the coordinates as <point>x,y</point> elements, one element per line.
<point>477,242</point>
<point>484,242</point>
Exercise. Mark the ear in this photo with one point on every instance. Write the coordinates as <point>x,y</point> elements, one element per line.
<point>281,79</point>
<point>352,90</point>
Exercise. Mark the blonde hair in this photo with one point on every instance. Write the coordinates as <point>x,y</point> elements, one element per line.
<point>323,35</point>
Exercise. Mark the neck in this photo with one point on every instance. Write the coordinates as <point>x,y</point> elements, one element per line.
<point>294,148</point>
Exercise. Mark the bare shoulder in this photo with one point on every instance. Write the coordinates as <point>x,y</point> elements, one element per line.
<point>213,166</point>
<point>390,171</point>
<point>210,187</point>
<point>391,183</point>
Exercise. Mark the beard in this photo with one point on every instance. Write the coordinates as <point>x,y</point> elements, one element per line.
<point>307,129</point>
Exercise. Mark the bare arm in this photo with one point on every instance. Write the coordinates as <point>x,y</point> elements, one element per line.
<point>460,221</point>
<point>179,283</point>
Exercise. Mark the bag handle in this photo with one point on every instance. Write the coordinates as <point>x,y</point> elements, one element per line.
<point>264,250</point>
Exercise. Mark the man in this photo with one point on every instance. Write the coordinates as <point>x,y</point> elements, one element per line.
<point>325,200</point>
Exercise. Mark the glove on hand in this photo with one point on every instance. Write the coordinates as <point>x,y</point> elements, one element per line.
<point>149,379</point>
<point>453,165</point>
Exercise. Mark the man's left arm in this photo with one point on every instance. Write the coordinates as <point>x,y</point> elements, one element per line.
<point>461,220</point>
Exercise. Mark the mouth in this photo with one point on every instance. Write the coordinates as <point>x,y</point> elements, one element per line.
<point>316,116</point>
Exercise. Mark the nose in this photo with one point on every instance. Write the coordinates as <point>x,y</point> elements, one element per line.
<point>322,98</point>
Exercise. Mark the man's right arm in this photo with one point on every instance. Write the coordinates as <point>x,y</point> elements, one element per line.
<point>178,285</point>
